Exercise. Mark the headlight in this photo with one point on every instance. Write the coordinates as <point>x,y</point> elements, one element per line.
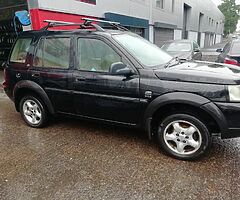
<point>234,92</point>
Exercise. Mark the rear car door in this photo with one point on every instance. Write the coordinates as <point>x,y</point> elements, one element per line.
<point>51,69</point>
<point>99,94</point>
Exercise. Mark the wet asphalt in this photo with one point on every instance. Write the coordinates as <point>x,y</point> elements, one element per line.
<point>75,159</point>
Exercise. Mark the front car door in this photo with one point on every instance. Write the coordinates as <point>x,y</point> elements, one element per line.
<point>51,69</point>
<point>197,54</point>
<point>99,94</point>
<point>223,55</point>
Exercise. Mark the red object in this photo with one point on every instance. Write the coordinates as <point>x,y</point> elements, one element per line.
<point>231,61</point>
<point>6,79</point>
<point>38,16</point>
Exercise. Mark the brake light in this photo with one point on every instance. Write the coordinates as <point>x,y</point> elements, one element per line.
<point>230,61</point>
<point>6,78</point>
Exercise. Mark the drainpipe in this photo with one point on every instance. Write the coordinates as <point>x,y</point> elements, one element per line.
<point>151,24</point>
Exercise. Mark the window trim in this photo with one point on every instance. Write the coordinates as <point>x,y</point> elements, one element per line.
<point>77,62</point>
<point>54,37</point>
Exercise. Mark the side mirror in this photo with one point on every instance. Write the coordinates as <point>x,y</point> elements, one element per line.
<point>120,69</point>
<point>219,50</point>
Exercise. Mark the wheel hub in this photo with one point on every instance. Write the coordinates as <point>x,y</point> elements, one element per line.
<point>182,137</point>
<point>32,112</point>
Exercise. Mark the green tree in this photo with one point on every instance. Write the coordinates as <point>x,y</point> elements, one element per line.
<point>230,10</point>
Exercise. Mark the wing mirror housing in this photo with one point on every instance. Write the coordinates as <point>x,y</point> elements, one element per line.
<point>219,50</point>
<point>121,69</point>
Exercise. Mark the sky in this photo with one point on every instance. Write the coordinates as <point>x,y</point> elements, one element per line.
<point>217,2</point>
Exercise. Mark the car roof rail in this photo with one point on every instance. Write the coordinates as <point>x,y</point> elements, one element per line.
<point>111,23</point>
<point>54,23</point>
<point>87,24</point>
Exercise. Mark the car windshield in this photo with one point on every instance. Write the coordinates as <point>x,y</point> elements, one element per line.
<point>147,53</point>
<point>177,46</point>
<point>235,48</point>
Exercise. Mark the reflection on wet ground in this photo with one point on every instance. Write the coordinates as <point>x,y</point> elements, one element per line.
<point>73,159</point>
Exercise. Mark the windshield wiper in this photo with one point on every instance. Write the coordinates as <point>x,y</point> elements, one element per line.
<point>171,61</point>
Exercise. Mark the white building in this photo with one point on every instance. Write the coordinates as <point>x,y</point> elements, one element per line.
<point>157,20</point>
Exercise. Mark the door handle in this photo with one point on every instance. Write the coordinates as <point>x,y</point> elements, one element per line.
<point>36,75</point>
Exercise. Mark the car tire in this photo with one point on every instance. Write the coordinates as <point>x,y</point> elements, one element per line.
<point>184,137</point>
<point>33,111</point>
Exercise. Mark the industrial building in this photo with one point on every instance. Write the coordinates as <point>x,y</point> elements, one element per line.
<point>156,20</point>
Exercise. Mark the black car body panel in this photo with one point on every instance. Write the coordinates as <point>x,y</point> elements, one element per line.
<point>201,72</point>
<point>128,100</point>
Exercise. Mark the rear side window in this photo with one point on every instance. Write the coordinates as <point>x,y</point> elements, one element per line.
<point>226,48</point>
<point>53,53</point>
<point>236,48</point>
<point>20,50</point>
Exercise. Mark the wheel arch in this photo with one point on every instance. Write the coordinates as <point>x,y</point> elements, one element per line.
<point>168,103</point>
<point>24,88</point>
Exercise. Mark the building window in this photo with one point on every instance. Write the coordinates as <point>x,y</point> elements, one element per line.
<point>88,1</point>
<point>173,5</point>
<point>160,4</point>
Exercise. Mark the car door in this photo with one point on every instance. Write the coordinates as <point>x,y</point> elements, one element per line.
<point>224,53</point>
<point>51,69</point>
<point>197,54</point>
<point>99,94</point>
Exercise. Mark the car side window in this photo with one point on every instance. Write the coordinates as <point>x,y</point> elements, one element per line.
<point>195,46</point>
<point>95,55</point>
<point>20,50</point>
<point>53,53</point>
<point>226,48</point>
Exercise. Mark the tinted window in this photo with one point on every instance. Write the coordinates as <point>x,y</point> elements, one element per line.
<point>53,53</point>
<point>236,48</point>
<point>177,46</point>
<point>95,55</point>
<point>20,50</point>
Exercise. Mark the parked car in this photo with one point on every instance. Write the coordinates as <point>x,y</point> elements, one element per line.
<point>230,54</point>
<point>115,76</point>
<point>183,49</point>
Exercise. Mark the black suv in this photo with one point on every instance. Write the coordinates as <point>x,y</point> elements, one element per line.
<point>118,77</point>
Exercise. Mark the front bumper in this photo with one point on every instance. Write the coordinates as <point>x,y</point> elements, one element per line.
<point>231,117</point>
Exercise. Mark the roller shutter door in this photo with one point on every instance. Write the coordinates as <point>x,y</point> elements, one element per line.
<point>139,31</point>
<point>163,34</point>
